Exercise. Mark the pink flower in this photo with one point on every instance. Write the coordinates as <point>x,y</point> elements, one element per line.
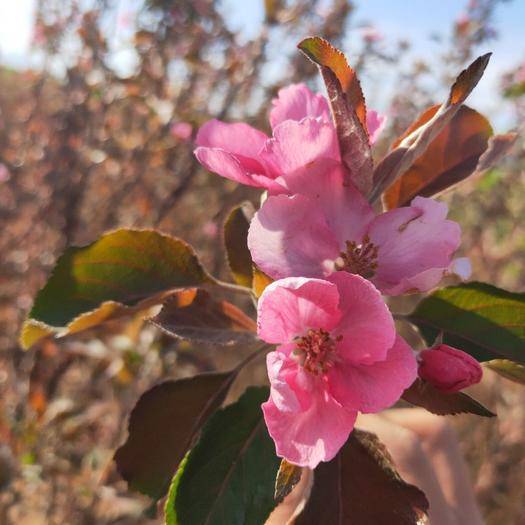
<point>304,142</point>
<point>448,369</point>
<point>181,130</point>
<point>370,34</point>
<point>404,250</point>
<point>338,355</point>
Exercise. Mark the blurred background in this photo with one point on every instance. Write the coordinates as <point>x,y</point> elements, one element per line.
<point>99,103</point>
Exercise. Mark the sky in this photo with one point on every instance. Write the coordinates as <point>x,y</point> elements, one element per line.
<point>415,20</point>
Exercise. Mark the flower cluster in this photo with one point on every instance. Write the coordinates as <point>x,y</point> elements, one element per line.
<point>332,258</point>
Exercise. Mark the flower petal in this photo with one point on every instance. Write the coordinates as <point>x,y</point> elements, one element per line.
<point>289,307</point>
<point>415,243</point>
<point>289,236</point>
<point>372,388</point>
<point>291,386</point>
<point>237,138</point>
<point>243,171</point>
<point>366,325</point>
<point>306,438</point>
<point>296,102</point>
<point>347,212</point>
<point>298,145</point>
<point>375,124</point>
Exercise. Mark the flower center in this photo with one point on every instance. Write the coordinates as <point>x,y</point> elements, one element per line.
<point>316,351</point>
<point>360,259</point>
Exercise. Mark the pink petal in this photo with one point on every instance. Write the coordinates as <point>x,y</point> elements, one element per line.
<point>375,123</point>
<point>237,138</point>
<point>423,281</point>
<point>299,145</point>
<point>366,325</point>
<point>347,212</point>
<point>372,388</point>
<point>289,307</point>
<point>289,236</point>
<point>296,102</point>
<point>244,171</point>
<point>291,386</point>
<point>308,437</point>
<point>415,243</point>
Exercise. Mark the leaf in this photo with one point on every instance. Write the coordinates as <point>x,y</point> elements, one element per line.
<point>423,394</point>
<point>499,146</point>
<point>163,425</point>
<point>413,145</point>
<point>508,369</point>
<point>360,485</point>
<point>348,109</point>
<point>287,478</point>
<point>235,240</point>
<point>124,271</point>
<point>260,281</point>
<point>228,477</point>
<point>480,319</point>
<point>451,157</point>
<point>194,315</point>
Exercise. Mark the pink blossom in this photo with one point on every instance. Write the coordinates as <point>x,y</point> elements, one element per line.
<point>520,75</point>
<point>304,142</point>
<point>210,229</point>
<point>181,130</point>
<point>4,173</point>
<point>404,250</point>
<point>338,355</point>
<point>448,369</point>
<point>371,34</point>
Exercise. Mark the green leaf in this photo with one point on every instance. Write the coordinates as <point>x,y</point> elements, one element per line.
<point>423,394</point>
<point>480,319</point>
<point>228,478</point>
<point>508,369</point>
<point>287,478</point>
<point>348,108</point>
<point>163,425</point>
<point>194,315</point>
<point>360,486</point>
<point>235,240</point>
<point>123,271</point>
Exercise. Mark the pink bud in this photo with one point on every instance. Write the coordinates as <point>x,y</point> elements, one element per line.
<point>448,369</point>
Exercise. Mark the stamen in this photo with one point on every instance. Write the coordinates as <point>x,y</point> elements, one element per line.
<point>316,351</point>
<point>360,259</point>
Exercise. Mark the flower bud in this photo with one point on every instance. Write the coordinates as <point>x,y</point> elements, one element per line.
<point>448,369</point>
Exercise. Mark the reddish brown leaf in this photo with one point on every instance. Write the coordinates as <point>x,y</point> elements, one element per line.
<point>467,80</point>
<point>162,427</point>
<point>348,108</point>
<point>193,314</point>
<point>499,146</point>
<point>451,157</point>
<point>423,394</point>
<point>324,54</point>
<point>361,485</point>
<point>414,144</point>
